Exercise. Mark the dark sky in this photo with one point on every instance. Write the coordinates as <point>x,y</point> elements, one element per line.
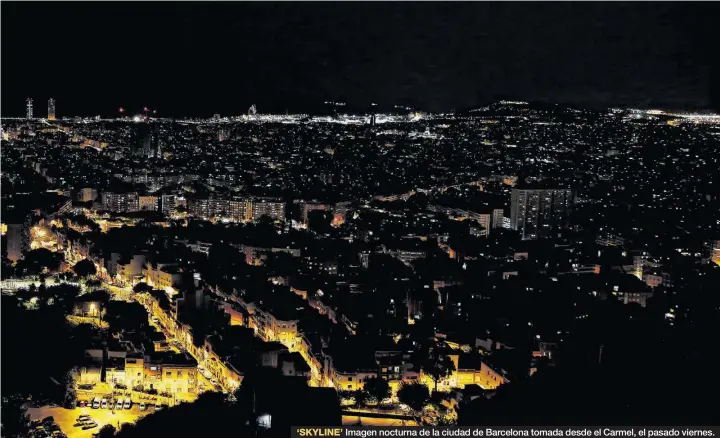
<point>198,58</point>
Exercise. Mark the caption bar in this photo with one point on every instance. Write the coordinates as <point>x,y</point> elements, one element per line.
<point>502,432</point>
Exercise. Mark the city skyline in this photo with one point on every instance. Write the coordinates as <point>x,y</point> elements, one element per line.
<point>324,108</point>
<point>354,260</point>
<point>232,219</point>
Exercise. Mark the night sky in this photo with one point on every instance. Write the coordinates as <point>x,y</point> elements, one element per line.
<point>199,59</point>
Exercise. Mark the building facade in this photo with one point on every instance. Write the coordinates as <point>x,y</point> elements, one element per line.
<point>165,277</point>
<point>167,374</point>
<point>120,202</point>
<point>148,203</point>
<point>497,217</point>
<point>18,239</point>
<point>272,329</point>
<point>535,213</point>
<point>87,194</point>
<point>273,209</point>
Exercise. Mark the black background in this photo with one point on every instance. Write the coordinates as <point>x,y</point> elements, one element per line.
<point>201,58</point>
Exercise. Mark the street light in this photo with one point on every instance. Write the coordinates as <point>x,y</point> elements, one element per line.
<point>96,311</point>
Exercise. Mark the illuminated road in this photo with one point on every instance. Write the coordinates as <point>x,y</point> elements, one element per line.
<point>65,418</point>
<point>117,292</point>
<point>204,383</point>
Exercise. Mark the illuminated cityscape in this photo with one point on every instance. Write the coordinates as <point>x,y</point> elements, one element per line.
<point>348,259</point>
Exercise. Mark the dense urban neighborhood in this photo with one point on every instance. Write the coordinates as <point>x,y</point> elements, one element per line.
<point>518,262</point>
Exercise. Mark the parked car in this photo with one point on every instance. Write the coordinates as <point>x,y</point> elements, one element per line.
<point>128,403</point>
<point>143,406</point>
<point>119,404</point>
<point>82,403</point>
<point>96,403</point>
<point>104,403</point>
<point>83,422</point>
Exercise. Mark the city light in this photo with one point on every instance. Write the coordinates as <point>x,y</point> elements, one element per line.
<point>353,260</point>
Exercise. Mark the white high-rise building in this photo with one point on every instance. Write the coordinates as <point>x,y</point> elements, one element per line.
<point>536,212</point>
<point>29,108</point>
<point>51,109</point>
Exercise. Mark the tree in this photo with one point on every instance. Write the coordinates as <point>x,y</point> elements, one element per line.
<point>93,283</point>
<point>141,287</point>
<point>63,296</point>
<point>126,316</point>
<point>319,221</point>
<point>416,395</point>
<point>15,420</point>
<point>8,270</point>
<point>107,431</point>
<point>438,364</point>
<point>38,261</point>
<point>67,276</point>
<point>209,415</point>
<point>266,222</point>
<point>47,325</point>
<point>360,397</point>
<point>100,295</point>
<point>377,387</point>
<point>84,268</point>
